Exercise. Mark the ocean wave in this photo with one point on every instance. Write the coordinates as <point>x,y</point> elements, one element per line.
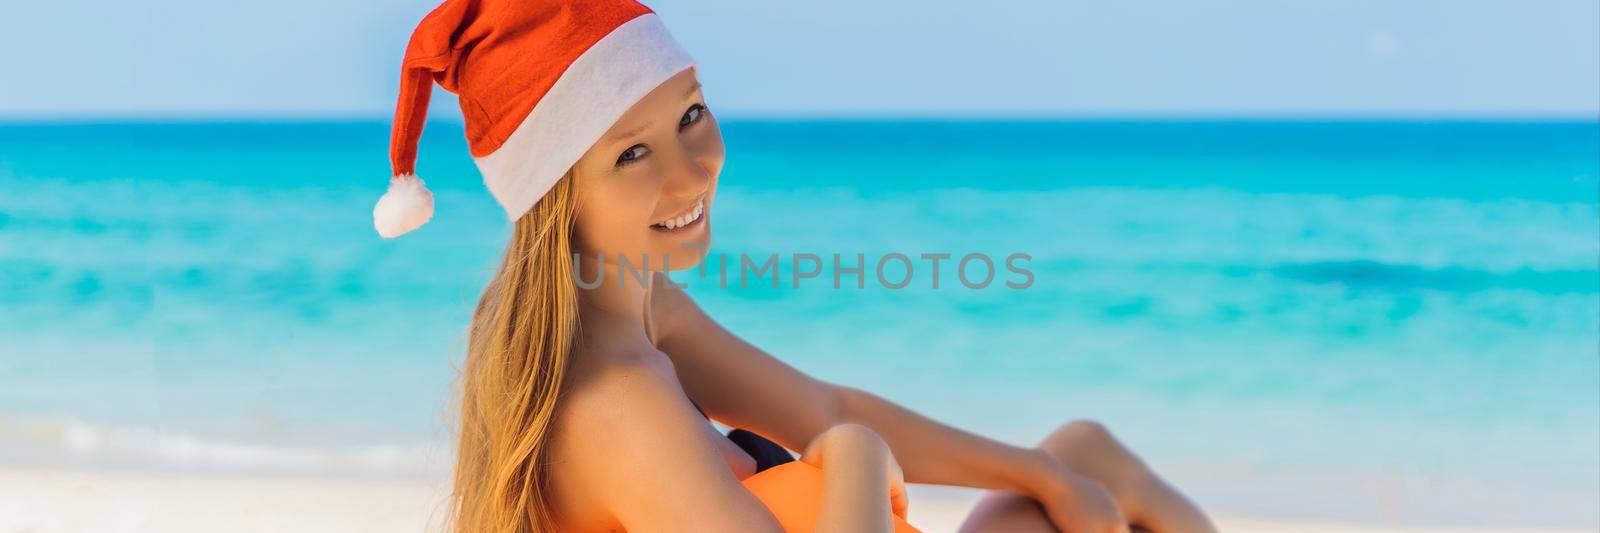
<point>1375,274</point>
<point>68,440</point>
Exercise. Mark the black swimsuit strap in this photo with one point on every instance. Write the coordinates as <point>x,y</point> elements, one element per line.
<point>766,453</point>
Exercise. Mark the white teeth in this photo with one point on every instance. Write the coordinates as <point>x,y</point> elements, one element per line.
<point>685,219</point>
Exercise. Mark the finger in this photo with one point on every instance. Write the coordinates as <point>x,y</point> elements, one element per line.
<point>899,504</point>
<point>898,501</point>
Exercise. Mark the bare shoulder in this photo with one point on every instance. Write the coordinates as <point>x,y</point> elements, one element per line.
<point>608,401</point>
<point>625,435</point>
<point>618,388</point>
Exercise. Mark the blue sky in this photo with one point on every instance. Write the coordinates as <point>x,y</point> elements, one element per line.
<point>834,58</point>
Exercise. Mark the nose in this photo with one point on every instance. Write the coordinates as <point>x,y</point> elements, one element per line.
<point>685,177</point>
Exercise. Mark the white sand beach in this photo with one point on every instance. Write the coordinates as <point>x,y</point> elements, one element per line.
<point>64,500</point>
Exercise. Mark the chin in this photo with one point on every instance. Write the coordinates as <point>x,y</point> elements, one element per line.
<point>688,254</point>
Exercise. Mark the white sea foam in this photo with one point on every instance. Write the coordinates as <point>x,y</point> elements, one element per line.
<point>59,439</point>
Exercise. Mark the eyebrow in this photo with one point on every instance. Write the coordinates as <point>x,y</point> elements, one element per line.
<point>630,132</point>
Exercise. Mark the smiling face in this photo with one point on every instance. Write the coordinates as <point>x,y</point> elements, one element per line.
<point>645,189</point>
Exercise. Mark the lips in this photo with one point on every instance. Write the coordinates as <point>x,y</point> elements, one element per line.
<point>683,219</point>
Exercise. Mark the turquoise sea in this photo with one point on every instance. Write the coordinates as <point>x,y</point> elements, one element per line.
<point>1372,321</point>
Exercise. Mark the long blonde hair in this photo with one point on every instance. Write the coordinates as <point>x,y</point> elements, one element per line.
<point>518,347</point>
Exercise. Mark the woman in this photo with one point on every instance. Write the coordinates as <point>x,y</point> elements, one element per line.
<point>584,409</point>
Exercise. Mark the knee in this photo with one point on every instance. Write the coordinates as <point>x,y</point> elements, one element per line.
<point>1089,448</point>
<point>855,438</point>
<point>1079,434</point>
<point>1086,444</point>
<point>1085,430</point>
<point>854,433</point>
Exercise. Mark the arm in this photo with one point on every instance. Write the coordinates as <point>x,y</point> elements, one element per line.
<point>948,456</point>
<point>939,454</point>
<point>743,386</point>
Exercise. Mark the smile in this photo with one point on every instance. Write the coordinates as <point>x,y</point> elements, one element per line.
<point>682,220</point>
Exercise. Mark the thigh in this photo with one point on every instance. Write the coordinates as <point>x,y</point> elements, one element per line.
<point>1005,512</point>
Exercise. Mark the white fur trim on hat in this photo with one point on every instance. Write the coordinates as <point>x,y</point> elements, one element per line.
<point>405,207</point>
<point>585,101</point>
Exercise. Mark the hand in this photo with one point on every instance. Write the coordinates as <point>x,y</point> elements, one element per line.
<point>1075,503</point>
<point>898,502</point>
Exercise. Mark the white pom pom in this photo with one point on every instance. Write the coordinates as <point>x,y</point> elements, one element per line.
<point>407,206</point>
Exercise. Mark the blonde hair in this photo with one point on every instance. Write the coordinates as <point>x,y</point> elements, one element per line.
<point>518,348</point>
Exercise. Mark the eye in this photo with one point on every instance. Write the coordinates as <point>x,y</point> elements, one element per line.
<point>693,115</point>
<point>633,153</point>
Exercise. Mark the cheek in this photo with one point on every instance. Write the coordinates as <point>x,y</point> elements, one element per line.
<point>714,158</point>
<point>711,152</point>
<point>614,219</point>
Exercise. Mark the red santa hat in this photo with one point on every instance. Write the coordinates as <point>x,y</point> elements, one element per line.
<point>539,82</point>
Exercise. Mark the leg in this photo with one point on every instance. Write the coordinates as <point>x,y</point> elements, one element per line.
<point>1088,448</point>
<point>1005,512</point>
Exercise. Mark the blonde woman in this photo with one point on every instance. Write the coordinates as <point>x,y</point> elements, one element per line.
<point>585,409</point>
